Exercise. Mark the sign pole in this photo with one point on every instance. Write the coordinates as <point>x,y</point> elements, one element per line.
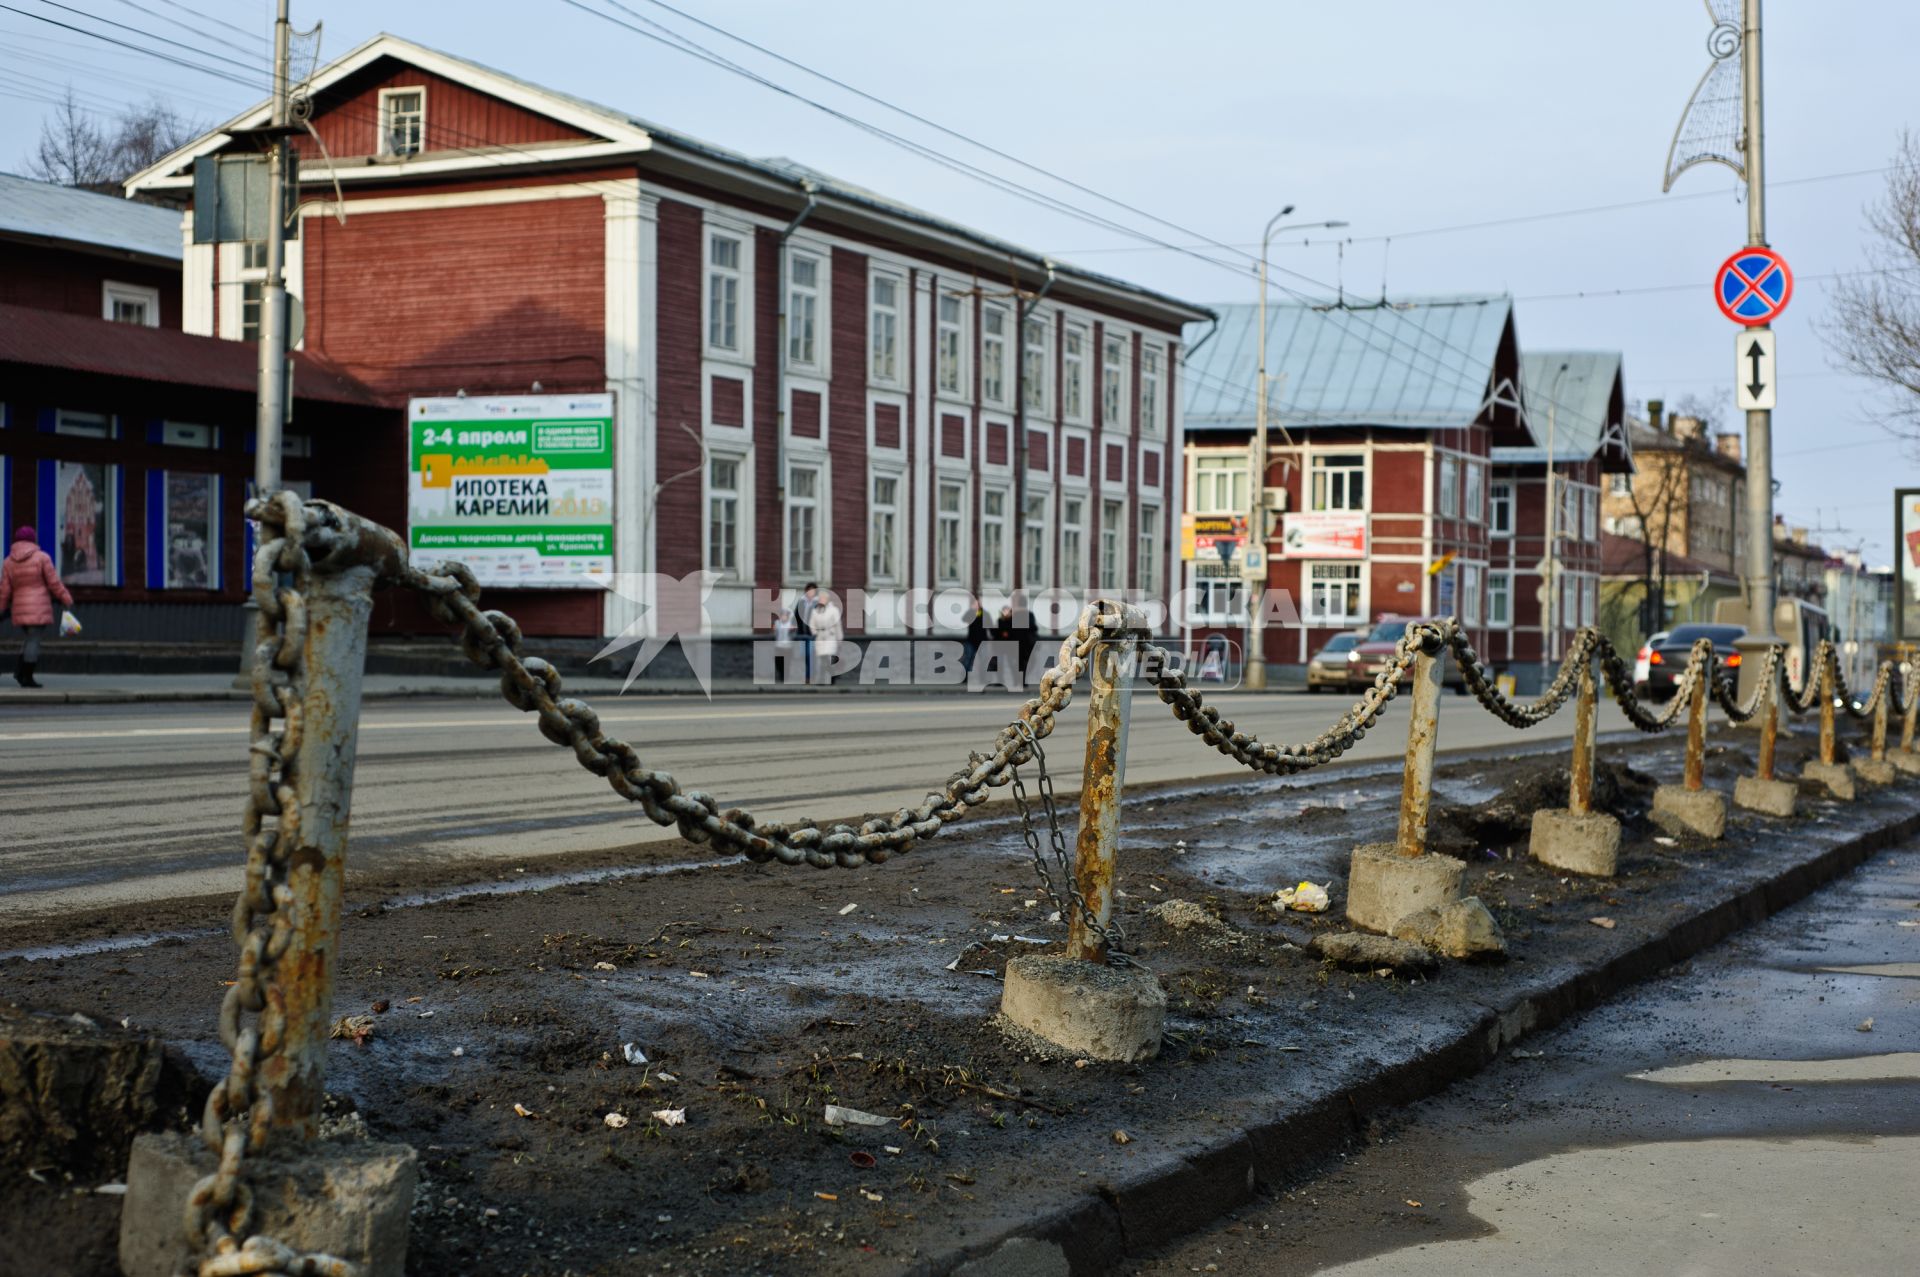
<point>1759,566</point>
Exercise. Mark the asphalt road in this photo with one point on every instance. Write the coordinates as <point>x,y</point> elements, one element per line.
<point>1736,1118</point>
<point>104,805</point>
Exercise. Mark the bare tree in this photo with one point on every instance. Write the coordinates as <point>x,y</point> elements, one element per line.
<point>1875,330</point>
<point>1658,493</point>
<point>76,149</point>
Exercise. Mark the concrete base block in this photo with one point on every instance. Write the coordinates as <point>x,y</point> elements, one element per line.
<point>348,1198</point>
<point>1835,778</point>
<point>1768,797</point>
<point>1875,771</point>
<point>1358,951</point>
<point>1905,760</point>
<point>1700,812</point>
<point>1463,928</point>
<point>1583,844</point>
<point>1384,886</point>
<point>1088,1008</point>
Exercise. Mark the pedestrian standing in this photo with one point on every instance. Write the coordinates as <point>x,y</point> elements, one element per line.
<point>976,638</point>
<point>827,633</point>
<point>803,625</point>
<point>29,584</point>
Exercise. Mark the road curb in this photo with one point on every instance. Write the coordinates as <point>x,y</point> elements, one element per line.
<point>1179,1192</point>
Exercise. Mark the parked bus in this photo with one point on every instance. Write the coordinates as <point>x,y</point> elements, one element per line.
<point>1800,623</point>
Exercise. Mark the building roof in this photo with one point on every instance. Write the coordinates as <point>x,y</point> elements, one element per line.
<point>1420,364</point>
<point>82,343</point>
<point>49,212</point>
<point>1579,407</point>
<point>628,134</point>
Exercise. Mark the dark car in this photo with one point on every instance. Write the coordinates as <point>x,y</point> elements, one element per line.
<point>1667,658</point>
<point>1328,668</point>
<point>1376,649</point>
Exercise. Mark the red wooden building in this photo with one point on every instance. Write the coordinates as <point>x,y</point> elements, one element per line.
<point>811,382</point>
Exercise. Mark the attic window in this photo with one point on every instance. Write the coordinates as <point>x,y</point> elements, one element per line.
<point>403,121</point>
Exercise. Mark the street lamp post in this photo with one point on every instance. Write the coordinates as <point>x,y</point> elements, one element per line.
<point>1255,662</point>
<point>1550,558</point>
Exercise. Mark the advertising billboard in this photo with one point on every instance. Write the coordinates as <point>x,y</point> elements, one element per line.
<point>1325,534</point>
<point>1906,552</point>
<point>517,487</point>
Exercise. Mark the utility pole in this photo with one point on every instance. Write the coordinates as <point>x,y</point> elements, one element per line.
<point>271,412</point>
<point>1550,556</point>
<point>1759,565</point>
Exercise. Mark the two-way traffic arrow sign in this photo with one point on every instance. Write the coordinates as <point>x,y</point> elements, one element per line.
<point>1754,371</point>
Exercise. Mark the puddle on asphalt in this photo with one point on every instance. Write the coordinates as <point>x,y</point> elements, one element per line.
<point>1896,970</point>
<point>1896,1066</point>
<point>106,944</point>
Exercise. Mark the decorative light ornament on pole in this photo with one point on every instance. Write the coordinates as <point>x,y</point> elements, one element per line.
<point>1253,564</point>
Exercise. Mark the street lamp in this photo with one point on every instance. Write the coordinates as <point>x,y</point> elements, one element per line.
<point>1551,558</point>
<point>1256,660</point>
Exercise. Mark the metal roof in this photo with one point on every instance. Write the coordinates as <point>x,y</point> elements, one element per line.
<point>1574,405</point>
<point>1418,364</point>
<point>82,343</point>
<point>47,211</point>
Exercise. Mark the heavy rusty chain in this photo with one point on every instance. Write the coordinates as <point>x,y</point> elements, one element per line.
<point>239,1112</point>
<point>1111,934</point>
<point>1882,686</point>
<point>1564,684</point>
<point>1809,695</point>
<point>1725,689</point>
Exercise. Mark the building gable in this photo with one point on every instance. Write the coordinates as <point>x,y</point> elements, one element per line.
<point>458,117</point>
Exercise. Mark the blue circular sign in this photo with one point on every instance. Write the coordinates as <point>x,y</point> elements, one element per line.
<point>1753,286</point>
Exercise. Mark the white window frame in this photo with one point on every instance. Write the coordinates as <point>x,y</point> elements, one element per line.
<point>1218,594</point>
<point>1003,524</point>
<point>113,292</point>
<point>741,275</point>
<point>886,331</point>
<point>1448,471</point>
<point>1500,586</point>
<point>1476,492</point>
<point>815,507</point>
<point>874,446</point>
<point>1074,398</point>
<point>1471,576</point>
<point>86,425</point>
<point>889,572</point>
<point>1499,500</point>
<point>1621,484</point>
<point>1037,382</point>
<point>385,139</point>
<point>190,434</point>
<point>1317,467</point>
<point>1148,547</point>
<point>819,294</point>
<point>1313,613</point>
<point>993,356</point>
<point>1037,574</point>
<point>956,519</point>
<point>1209,472</point>
<point>1110,570</point>
<point>950,338</point>
<point>1116,412</point>
<point>1153,360</point>
<point>742,569</point>
<point>1074,561</point>
<point>1590,513</point>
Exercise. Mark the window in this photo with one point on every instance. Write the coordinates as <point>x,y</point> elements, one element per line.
<point>723,515</point>
<point>1470,593</point>
<point>883,528</point>
<point>1626,525</point>
<point>1333,593</point>
<point>1113,390</point>
<point>803,310</point>
<point>1113,525</point>
<point>130,304</point>
<point>1219,593</point>
<point>803,522</point>
<point>1449,488</point>
<point>1621,485</point>
<point>1589,513</point>
<point>884,329</point>
<point>86,516</point>
<point>403,121</point>
<point>993,355</point>
<point>1500,520</point>
<point>1339,481</point>
<point>950,560</point>
<point>190,513</point>
<point>84,425</point>
<point>1147,569</point>
<point>723,293</point>
<point>993,536</point>
<point>253,287</point>
<point>1035,544</point>
<point>1500,599</point>
<point>1073,389</point>
<point>1589,599</point>
<point>1150,423</point>
<point>952,346</point>
<point>1073,545</point>
<point>1219,483</point>
<point>1476,506</point>
<point>1036,345</point>
<point>181,434</point>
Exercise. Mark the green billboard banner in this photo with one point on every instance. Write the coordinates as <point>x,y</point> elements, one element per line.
<point>517,487</point>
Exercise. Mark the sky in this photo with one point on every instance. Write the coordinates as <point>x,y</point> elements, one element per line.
<point>1399,118</point>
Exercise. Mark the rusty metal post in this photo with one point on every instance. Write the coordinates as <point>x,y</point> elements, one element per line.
<point>1697,730</point>
<point>1097,846</point>
<point>338,606</point>
<point>1880,720</point>
<point>1580,790</point>
<point>1769,728</point>
<point>1826,708</point>
<point>1911,719</point>
<point>1416,791</point>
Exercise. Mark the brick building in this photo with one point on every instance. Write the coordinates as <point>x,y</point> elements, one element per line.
<point>82,253</point>
<point>810,381</point>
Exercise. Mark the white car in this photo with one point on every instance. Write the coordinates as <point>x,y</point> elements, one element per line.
<point>1641,661</point>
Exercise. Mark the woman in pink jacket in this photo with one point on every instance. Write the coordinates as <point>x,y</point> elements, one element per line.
<point>29,584</point>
